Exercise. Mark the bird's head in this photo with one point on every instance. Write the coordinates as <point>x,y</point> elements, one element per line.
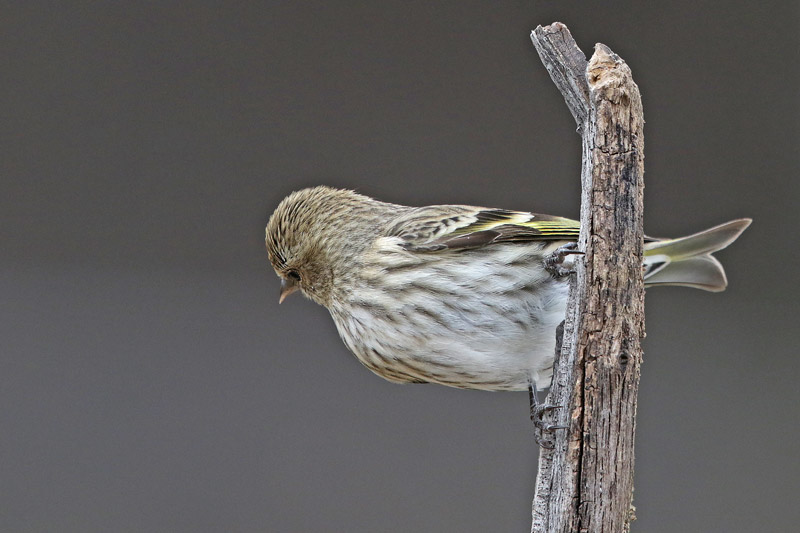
<point>315,236</point>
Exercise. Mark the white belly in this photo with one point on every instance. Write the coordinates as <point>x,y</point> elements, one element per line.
<point>480,321</point>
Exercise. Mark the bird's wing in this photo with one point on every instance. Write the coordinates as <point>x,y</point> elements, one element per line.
<point>434,228</point>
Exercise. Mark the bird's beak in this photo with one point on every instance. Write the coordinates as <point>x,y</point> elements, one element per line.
<point>288,286</point>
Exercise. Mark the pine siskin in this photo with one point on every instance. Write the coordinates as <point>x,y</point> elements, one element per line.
<point>451,294</point>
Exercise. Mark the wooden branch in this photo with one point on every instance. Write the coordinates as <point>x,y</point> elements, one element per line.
<point>586,482</point>
<point>567,67</point>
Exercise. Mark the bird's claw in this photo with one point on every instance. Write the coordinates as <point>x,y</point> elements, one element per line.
<point>538,412</point>
<point>554,263</point>
<point>540,427</point>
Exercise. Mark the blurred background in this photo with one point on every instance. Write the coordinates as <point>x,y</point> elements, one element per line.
<point>151,382</point>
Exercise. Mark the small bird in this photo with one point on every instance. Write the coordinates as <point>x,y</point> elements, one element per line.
<point>463,296</point>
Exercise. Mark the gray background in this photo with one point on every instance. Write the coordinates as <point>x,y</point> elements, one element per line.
<point>149,380</point>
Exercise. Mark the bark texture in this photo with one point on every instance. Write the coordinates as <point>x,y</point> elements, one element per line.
<point>586,482</point>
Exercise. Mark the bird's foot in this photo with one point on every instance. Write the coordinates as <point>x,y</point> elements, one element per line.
<point>542,431</point>
<point>554,263</point>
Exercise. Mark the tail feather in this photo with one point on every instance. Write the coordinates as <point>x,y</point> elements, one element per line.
<point>688,261</point>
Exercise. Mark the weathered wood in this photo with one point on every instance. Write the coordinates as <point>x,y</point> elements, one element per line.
<point>557,475</point>
<point>586,482</point>
<point>567,67</point>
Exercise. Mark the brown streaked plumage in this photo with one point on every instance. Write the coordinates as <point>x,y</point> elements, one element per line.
<point>450,294</point>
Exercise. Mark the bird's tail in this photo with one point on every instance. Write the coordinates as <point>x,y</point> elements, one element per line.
<point>688,261</point>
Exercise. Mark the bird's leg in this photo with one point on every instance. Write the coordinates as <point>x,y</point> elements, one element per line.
<point>538,410</point>
<point>554,263</point>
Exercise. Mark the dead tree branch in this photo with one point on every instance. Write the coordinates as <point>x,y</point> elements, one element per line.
<point>586,482</point>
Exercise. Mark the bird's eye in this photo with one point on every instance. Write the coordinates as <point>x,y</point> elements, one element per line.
<point>294,275</point>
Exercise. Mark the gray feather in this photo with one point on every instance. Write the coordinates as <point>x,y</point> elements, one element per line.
<point>688,262</point>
